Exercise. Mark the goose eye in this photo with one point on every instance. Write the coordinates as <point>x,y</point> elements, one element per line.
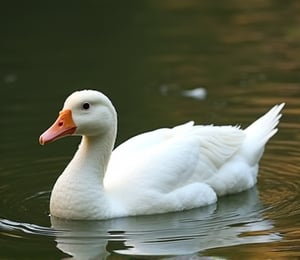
<point>86,106</point>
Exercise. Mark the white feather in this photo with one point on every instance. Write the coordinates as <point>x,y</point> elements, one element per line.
<point>168,169</point>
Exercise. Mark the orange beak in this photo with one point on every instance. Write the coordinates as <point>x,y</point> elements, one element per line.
<point>63,126</point>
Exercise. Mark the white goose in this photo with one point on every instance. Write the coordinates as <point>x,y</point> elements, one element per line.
<point>169,169</point>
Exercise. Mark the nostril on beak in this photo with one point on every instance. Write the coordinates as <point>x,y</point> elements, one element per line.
<point>61,123</point>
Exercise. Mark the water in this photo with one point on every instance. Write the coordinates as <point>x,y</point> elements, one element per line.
<point>243,57</point>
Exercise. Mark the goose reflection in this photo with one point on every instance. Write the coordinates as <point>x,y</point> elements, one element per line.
<point>183,233</point>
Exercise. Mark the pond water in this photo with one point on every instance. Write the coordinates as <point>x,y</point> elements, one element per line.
<point>162,63</point>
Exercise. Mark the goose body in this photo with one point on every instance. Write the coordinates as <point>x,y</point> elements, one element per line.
<point>168,169</point>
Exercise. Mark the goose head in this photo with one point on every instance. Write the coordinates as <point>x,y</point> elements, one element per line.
<point>87,113</point>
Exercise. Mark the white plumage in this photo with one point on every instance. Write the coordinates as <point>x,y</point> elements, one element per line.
<point>168,169</point>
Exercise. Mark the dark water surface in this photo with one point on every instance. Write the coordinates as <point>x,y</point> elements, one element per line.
<point>241,56</point>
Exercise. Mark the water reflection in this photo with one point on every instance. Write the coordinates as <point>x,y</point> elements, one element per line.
<point>234,220</point>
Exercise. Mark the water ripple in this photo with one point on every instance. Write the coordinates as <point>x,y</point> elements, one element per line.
<point>235,220</point>
<point>270,215</point>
